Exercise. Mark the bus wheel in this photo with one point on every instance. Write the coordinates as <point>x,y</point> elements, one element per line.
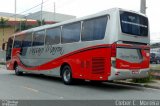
<point>67,75</point>
<point>94,82</point>
<point>17,71</point>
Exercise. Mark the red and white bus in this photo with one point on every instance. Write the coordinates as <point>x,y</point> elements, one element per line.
<point>110,45</point>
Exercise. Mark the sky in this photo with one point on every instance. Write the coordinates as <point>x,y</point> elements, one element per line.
<point>82,8</point>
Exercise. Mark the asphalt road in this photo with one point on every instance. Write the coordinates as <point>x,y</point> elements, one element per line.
<point>38,87</point>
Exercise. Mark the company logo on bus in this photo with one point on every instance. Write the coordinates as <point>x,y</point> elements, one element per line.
<point>131,18</point>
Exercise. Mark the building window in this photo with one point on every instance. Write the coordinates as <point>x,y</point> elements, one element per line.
<point>71,32</point>
<point>53,36</point>
<point>94,29</point>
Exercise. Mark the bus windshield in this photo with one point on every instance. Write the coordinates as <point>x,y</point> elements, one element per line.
<point>133,24</point>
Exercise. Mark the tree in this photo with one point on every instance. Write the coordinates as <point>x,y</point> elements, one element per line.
<point>3,24</point>
<point>39,22</point>
<point>23,26</point>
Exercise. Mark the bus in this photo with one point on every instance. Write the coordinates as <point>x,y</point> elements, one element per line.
<point>106,46</point>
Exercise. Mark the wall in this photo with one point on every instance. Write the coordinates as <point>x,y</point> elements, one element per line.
<point>7,33</point>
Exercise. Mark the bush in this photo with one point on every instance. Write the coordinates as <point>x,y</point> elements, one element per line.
<point>2,63</point>
<point>143,80</point>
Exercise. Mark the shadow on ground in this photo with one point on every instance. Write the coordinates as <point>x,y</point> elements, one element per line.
<point>103,86</point>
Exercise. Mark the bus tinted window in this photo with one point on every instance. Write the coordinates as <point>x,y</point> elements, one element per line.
<point>27,42</point>
<point>71,33</point>
<point>133,24</point>
<point>18,41</point>
<point>9,48</point>
<point>94,29</point>
<point>38,38</point>
<point>53,36</point>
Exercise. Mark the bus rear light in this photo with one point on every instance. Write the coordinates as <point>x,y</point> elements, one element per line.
<point>113,50</point>
<point>113,55</point>
<point>8,65</point>
<point>147,53</point>
<point>113,61</point>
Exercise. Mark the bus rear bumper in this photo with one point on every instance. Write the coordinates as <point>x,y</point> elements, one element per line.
<point>118,74</point>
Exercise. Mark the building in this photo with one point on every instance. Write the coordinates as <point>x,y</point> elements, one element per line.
<point>30,20</point>
<point>50,16</point>
<point>10,15</point>
<point>9,27</point>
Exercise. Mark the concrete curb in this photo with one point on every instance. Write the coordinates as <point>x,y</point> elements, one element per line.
<point>136,84</point>
<point>150,86</point>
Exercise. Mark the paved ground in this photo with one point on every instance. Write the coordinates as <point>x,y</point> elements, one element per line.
<point>154,65</point>
<point>35,87</point>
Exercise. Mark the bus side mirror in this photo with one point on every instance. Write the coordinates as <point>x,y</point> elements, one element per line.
<point>4,46</point>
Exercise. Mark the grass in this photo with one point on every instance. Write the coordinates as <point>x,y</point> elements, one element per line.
<point>156,67</point>
<point>144,80</point>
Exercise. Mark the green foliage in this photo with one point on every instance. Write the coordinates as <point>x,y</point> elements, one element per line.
<point>39,22</point>
<point>2,63</point>
<point>3,22</point>
<point>143,80</point>
<point>23,26</point>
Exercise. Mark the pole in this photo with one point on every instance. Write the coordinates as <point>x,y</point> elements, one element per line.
<point>41,12</point>
<point>54,11</point>
<point>143,6</point>
<point>15,14</point>
<point>20,24</point>
<point>3,34</point>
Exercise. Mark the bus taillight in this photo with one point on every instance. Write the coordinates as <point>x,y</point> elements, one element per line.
<point>113,50</point>
<point>113,54</point>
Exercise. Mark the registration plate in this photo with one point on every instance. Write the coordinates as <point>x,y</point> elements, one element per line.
<point>135,71</point>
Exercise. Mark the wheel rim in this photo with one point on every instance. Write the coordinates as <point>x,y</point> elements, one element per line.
<point>16,69</point>
<point>67,75</point>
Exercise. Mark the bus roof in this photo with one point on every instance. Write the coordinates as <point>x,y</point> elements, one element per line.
<point>105,12</point>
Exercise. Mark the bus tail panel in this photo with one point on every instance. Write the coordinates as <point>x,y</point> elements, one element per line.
<point>129,62</point>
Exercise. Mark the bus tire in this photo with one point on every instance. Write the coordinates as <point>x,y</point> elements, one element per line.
<point>67,75</point>
<point>94,82</point>
<point>17,71</point>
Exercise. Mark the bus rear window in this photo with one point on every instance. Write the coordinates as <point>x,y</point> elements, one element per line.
<point>133,24</point>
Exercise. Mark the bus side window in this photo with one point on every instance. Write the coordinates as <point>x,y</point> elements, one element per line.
<point>18,41</point>
<point>38,38</point>
<point>53,36</point>
<point>94,29</point>
<point>71,32</point>
<point>27,42</point>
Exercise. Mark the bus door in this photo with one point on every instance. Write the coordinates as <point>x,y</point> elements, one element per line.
<point>9,54</point>
<point>9,49</point>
